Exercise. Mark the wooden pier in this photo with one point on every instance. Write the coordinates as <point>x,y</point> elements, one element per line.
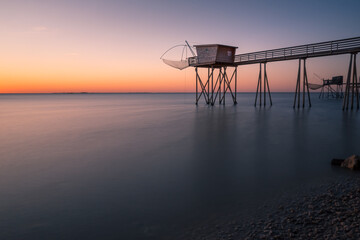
<point>302,53</point>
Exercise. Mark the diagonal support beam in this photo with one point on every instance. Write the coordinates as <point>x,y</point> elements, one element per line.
<point>205,88</point>
<point>212,90</point>
<point>227,82</point>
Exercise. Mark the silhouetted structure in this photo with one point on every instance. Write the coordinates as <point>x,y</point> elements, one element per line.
<point>329,87</point>
<point>332,88</point>
<point>344,46</point>
<point>215,57</point>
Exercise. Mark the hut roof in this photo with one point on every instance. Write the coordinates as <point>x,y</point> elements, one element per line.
<point>212,45</point>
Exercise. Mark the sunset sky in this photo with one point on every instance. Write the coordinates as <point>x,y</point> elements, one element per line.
<point>115,46</point>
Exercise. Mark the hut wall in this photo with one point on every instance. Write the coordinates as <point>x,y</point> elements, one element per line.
<point>225,54</point>
<point>337,80</point>
<point>206,54</point>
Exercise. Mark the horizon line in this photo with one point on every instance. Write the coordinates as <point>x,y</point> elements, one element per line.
<point>119,93</point>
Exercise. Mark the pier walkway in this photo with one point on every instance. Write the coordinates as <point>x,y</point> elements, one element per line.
<point>337,47</point>
<point>322,49</point>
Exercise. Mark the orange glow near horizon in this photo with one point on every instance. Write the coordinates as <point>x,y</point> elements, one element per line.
<point>87,75</point>
<point>91,46</point>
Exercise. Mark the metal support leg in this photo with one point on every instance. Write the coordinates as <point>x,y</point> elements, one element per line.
<point>216,88</point>
<point>260,76</point>
<point>347,87</point>
<point>299,88</point>
<point>356,82</point>
<point>267,83</point>
<point>303,105</point>
<point>262,86</point>
<point>220,81</point>
<point>196,86</point>
<point>212,86</point>
<point>258,86</point>
<point>208,91</point>
<point>354,85</point>
<point>223,86</point>
<point>306,83</point>
<point>297,85</point>
<point>235,102</point>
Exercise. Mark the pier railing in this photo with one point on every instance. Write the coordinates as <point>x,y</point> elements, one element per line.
<point>303,51</point>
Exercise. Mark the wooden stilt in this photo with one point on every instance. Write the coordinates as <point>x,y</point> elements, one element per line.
<point>257,89</point>
<point>307,84</point>
<point>212,86</point>
<point>220,78</point>
<point>303,105</point>
<point>353,84</point>
<point>260,76</point>
<point>235,102</point>
<point>196,70</point>
<point>297,85</point>
<point>356,82</point>
<point>262,86</point>
<point>224,85</point>
<point>208,92</point>
<point>347,87</point>
<point>267,83</point>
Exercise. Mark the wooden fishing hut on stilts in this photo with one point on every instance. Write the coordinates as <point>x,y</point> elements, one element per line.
<point>216,59</point>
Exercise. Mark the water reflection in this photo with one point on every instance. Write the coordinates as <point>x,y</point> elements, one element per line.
<point>145,166</point>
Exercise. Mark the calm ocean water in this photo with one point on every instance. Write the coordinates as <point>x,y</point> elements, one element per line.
<point>143,166</point>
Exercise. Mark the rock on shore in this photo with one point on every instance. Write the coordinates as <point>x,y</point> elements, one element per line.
<point>352,162</point>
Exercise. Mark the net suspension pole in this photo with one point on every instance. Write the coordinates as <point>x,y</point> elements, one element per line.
<point>192,52</point>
